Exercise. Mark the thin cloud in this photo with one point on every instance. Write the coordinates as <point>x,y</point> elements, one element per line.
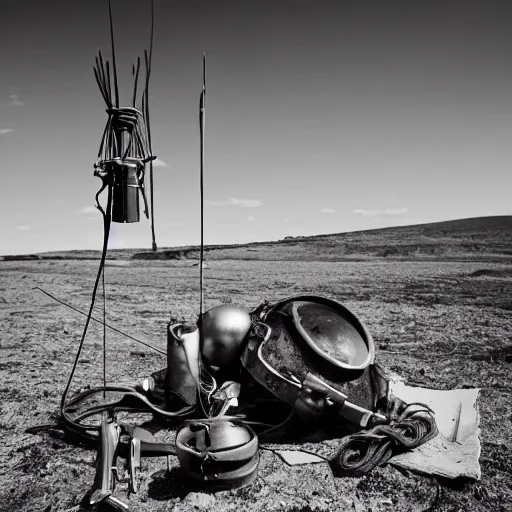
<point>159,163</point>
<point>3,131</point>
<point>86,210</point>
<point>286,220</point>
<point>387,212</point>
<point>367,213</point>
<point>24,227</point>
<point>251,219</point>
<point>327,210</point>
<point>15,101</point>
<point>232,201</point>
<point>396,211</point>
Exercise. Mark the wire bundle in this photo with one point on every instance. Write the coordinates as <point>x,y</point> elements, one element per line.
<point>127,133</point>
<point>361,452</point>
<point>126,136</point>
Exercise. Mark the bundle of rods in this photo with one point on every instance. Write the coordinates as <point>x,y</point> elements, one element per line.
<point>127,132</point>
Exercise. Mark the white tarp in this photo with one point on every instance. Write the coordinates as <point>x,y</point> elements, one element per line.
<point>455,451</point>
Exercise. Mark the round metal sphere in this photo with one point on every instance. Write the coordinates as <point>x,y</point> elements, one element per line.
<point>224,329</point>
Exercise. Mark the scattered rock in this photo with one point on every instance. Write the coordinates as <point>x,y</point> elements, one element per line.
<point>439,327</point>
<point>357,505</point>
<point>200,500</point>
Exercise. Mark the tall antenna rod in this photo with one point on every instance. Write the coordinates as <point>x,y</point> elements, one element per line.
<point>202,105</point>
<point>151,174</point>
<point>116,92</point>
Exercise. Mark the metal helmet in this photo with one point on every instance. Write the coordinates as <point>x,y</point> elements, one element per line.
<point>224,329</point>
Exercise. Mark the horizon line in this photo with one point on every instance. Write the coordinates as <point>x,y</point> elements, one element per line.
<point>285,239</point>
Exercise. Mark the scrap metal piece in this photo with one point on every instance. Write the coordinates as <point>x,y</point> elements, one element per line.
<point>117,504</point>
<point>298,457</point>
<point>134,463</point>
<point>314,351</point>
<point>317,396</point>
<point>106,469</point>
<point>225,397</point>
<point>453,435</point>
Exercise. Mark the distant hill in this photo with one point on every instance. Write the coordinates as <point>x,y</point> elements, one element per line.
<point>482,237</point>
<point>486,238</point>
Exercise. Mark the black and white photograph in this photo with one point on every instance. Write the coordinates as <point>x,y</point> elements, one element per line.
<point>256,255</point>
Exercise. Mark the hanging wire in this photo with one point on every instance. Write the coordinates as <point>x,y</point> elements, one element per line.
<point>100,322</point>
<point>126,135</point>
<point>74,425</point>
<point>106,224</point>
<point>104,332</point>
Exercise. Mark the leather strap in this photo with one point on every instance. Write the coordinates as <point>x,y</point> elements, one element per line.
<point>229,468</point>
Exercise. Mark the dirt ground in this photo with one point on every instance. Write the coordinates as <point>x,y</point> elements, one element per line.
<point>438,324</point>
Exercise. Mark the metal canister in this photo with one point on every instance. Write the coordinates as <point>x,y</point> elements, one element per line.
<point>125,200</point>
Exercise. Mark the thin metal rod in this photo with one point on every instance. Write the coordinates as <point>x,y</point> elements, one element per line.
<point>100,152</point>
<point>109,85</point>
<point>100,85</point>
<point>136,75</point>
<point>148,125</point>
<point>100,322</point>
<point>106,84</point>
<point>114,67</point>
<point>202,108</point>
<point>152,202</point>
<point>152,31</point>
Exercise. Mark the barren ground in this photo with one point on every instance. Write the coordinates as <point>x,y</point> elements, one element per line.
<point>418,312</point>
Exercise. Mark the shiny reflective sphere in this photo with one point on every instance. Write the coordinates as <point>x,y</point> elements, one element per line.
<point>224,328</point>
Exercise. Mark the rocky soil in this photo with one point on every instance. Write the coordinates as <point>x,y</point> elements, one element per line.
<point>439,324</point>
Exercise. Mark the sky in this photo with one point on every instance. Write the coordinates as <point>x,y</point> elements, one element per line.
<point>321,117</point>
